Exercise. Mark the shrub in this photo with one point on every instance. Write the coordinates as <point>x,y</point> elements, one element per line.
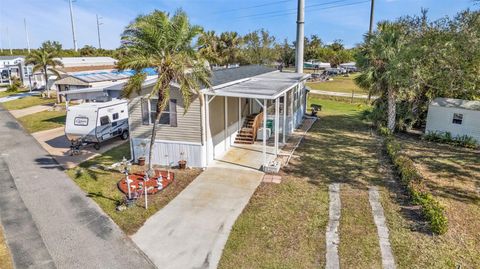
<point>413,181</point>
<point>15,86</point>
<point>447,138</point>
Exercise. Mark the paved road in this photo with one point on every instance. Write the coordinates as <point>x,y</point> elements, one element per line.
<point>74,230</point>
<point>341,94</point>
<point>191,231</point>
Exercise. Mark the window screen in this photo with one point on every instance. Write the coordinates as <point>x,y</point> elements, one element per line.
<point>457,118</point>
<point>169,114</point>
<point>115,116</point>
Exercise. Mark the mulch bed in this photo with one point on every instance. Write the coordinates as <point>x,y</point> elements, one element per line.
<point>137,182</point>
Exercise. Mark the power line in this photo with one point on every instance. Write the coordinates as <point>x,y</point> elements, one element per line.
<point>251,7</point>
<point>291,9</point>
<point>270,14</point>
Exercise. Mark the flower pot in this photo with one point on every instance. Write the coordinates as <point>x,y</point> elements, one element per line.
<point>141,161</point>
<point>182,164</point>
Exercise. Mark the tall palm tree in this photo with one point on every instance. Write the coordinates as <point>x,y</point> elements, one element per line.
<point>209,46</point>
<point>229,47</point>
<point>44,60</point>
<point>379,59</point>
<point>165,43</point>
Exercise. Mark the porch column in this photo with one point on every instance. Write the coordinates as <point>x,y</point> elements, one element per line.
<point>292,126</point>
<point>264,150</point>
<point>207,128</point>
<point>277,124</point>
<point>239,113</point>
<point>226,122</point>
<point>284,128</point>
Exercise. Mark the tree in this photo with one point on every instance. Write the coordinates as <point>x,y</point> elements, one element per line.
<point>164,42</point>
<point>379,59</point>
<point>259,47</point>
<point>88,50</point>
<point>44,60</point>
<point>229,47</point>
<point>51,46</point>
<point>209,43</point>
<point>286,53</point>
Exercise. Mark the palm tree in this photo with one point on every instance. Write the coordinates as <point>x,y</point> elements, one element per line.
<point>164,42</point>
<point>209,45</point>
<point>44,60</point>
<point>229,47</point>
<point>379,59</point>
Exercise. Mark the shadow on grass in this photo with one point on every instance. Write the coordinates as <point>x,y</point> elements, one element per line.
<point>447,163</point>
<point>58,120</point>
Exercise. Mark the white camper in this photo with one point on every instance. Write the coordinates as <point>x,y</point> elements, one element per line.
<point>93,123</point>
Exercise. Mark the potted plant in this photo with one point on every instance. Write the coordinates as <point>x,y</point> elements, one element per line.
<point>141,159</point>
<point>182,164</point>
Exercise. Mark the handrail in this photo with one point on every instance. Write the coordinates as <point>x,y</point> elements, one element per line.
<point>256,124</point>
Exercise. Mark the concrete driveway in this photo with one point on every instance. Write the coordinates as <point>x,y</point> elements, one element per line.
<point>57,145</point>
<point>48,221</point>
<point>191,231</point>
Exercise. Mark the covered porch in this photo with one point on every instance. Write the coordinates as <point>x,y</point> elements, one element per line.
<point>248,121</point>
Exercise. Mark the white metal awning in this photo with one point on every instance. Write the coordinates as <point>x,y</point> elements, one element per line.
<point>266,86</point>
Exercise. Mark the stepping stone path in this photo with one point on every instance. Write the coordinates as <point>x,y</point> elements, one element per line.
<point>332,233</point>
<point>272,179</point>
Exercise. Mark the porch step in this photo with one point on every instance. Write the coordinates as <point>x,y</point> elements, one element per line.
<point>245,135</point>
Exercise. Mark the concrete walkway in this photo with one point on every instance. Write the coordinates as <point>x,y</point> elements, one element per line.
<point>332,236</point>
<point>29,110</point>
<point>191,231</point>
<point>75,231</point>
<point>342,94</point>
<point>388,261</point>
<point>17,96</point>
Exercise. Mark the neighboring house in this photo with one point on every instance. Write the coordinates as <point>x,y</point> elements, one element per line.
<point>456,116</point>
<point>89,86</point>
<point>78,64</point>
<point>14,66</point>
<point>207,131</point>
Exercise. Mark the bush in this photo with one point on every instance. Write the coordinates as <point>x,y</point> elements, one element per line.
<point>413,181</point>
<point>447,138</point>
<point>15,86</point>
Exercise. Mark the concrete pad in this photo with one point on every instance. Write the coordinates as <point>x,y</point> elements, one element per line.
<point>57,145</point>
<point>332,236</point>
<point>191,231</point>
<point>29,110</point>
<point>248,156</point>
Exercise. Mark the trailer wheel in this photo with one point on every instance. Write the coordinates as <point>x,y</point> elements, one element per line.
<point>96,146</point>
<point>124,135</point>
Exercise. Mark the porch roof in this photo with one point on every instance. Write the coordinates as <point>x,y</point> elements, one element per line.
<point>265,86</point>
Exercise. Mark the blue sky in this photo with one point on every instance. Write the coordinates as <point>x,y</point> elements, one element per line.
<point>50,19</point>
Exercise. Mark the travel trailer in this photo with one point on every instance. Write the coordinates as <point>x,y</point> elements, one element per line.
<point>95,122</point>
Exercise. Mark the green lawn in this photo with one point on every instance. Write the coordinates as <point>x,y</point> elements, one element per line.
<point>27,102</point>
<point>101,185</point>
<point>5,93</point>
<point>284,225</point>
<point>338,84</point>
<point>44,120</point>
<point>453,177</point>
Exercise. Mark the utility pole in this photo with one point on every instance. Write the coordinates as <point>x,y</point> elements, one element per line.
<point>9,42</point>
<point>73,26</point>
<point>98,32</point>
<point>372,7</point>
<point>26,34</point>
<point>300,36</point>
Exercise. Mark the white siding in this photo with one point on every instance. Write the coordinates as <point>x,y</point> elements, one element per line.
<point>439,119</point>
<point>165,152</point>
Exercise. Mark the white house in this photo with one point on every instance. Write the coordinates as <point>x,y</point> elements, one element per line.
<point>456,116</point>
<point>243,104</point>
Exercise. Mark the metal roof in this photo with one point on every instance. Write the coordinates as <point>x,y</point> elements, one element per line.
<point>265,86</point>
<point>86,61</point>
<point>456,103</point>
<point>11,57</point>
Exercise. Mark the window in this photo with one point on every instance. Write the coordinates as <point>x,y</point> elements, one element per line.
<point>80,121</point>
<point>115,116</point>
<point>169,114</point>
<point>457,118</point>
<point>104,120</point>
